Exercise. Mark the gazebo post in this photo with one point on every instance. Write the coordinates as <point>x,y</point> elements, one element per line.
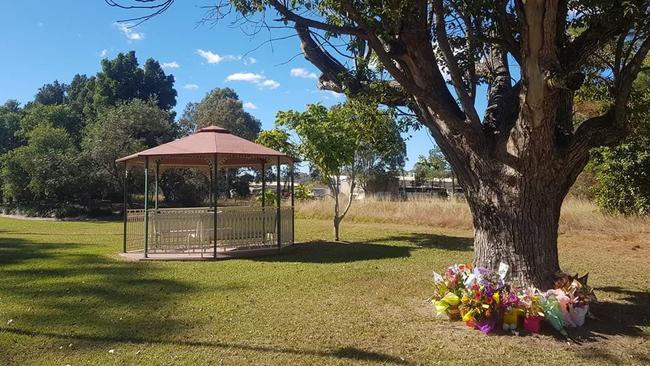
<point>215,186</point>
<point>124,188</point>
<point>210,183</point>
<point>293,209</point>
<point>146,206</point>
<point>156,188</point>
<point>279,199</point>
<point>263,203</point>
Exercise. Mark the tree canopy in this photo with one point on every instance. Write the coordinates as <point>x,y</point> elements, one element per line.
<point>223,108</point>
<point>121,79</point>
<point>61,147</point>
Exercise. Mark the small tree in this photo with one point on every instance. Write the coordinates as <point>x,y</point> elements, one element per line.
<point>335,140</point>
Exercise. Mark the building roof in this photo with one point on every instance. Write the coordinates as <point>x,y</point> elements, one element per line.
<point>200,148</point>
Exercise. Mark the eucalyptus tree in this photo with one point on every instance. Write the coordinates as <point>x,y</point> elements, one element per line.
<point>516,163</point>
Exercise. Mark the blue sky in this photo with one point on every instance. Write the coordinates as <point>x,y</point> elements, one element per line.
<point>42,43</point>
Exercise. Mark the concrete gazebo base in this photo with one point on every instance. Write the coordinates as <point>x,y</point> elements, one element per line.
<point>222,253</point>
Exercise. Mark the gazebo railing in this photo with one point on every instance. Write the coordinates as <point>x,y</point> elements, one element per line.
<point>190,230</point>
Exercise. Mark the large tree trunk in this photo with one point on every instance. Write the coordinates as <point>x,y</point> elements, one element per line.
<point>521,233</point>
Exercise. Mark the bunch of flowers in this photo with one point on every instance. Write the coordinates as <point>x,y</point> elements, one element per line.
<point>481,301</point>
<point>448,288</point>
<point>531,308</point>
<point>511,308</point>
<point>573,296</point>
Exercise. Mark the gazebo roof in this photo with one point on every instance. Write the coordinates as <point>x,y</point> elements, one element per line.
<point>200,148</point>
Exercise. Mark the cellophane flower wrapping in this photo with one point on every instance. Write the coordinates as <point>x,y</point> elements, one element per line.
<point>553,313</point>
<point>448,287</point>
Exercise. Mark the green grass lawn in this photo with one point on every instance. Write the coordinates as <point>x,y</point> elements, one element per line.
<point>66,297</point>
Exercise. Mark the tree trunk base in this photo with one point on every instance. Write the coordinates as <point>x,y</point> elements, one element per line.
<point>522,236</point>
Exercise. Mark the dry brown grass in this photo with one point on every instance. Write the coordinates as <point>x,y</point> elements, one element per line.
<point>577,216</point>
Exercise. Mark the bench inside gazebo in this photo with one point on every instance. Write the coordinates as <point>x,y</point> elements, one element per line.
<point>212,232</point>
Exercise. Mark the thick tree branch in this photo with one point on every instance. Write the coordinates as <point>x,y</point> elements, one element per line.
<point>609,128</point>
<point>601,30</point>
<point>498,92</point>
<point>311,23</point>
<point>452,64</point>
<point>336,77</point>
<point>507,33</point>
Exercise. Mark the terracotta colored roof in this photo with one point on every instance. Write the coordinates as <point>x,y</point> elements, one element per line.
<point>201,147</point>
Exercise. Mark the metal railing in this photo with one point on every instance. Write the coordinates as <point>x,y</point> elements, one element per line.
<point>190,230</point>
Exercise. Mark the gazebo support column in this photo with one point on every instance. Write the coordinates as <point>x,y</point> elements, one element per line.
<point>146,206</point>
<point>210,184</point>
<point>156,187</point>
<point>263,203</point>
<point>215,186</point>
<point>279,200</point>
<point>124,208</point>
<point>293,207</point>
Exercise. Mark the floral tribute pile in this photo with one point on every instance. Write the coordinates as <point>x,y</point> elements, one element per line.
<point>484,300</point>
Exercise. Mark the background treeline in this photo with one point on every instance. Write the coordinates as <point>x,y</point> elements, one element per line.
<point>58,151</point>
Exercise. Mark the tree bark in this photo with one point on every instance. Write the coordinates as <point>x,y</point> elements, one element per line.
<point>521,234</point>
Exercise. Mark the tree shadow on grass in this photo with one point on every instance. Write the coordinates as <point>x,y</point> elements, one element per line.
<point>337,252</point>
<point>396,246</point>
<point>95,300</point>
<point>432,241</point>
<point>75,292</point>
<point>351,353</point>
<point>624,317</point>
<point>13,251</point>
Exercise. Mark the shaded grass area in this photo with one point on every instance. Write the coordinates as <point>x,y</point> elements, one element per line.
<point>66,298</point>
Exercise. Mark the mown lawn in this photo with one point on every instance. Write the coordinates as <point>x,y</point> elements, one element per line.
<point>66,298</point>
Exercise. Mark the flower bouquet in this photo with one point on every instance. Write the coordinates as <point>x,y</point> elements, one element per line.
<point>480,305</point>
<point>529,304</point>
<point>574,296</point>
<point>448,290</point>
<point>511,308</point>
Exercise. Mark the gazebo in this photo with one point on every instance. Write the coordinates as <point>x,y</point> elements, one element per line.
<point>207,232</point>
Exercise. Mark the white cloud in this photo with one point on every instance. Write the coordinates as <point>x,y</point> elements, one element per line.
<point>170,65</point>
<point>271,84</point>
<point>103,53</point>
<point>302,73</point>
<point>215,58</point>
<point>245,76</point>
<point>250,105</point>
<point>209,56</point>
<point>128,31</point>
<point>260,80</point>
<point>190,86</point>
